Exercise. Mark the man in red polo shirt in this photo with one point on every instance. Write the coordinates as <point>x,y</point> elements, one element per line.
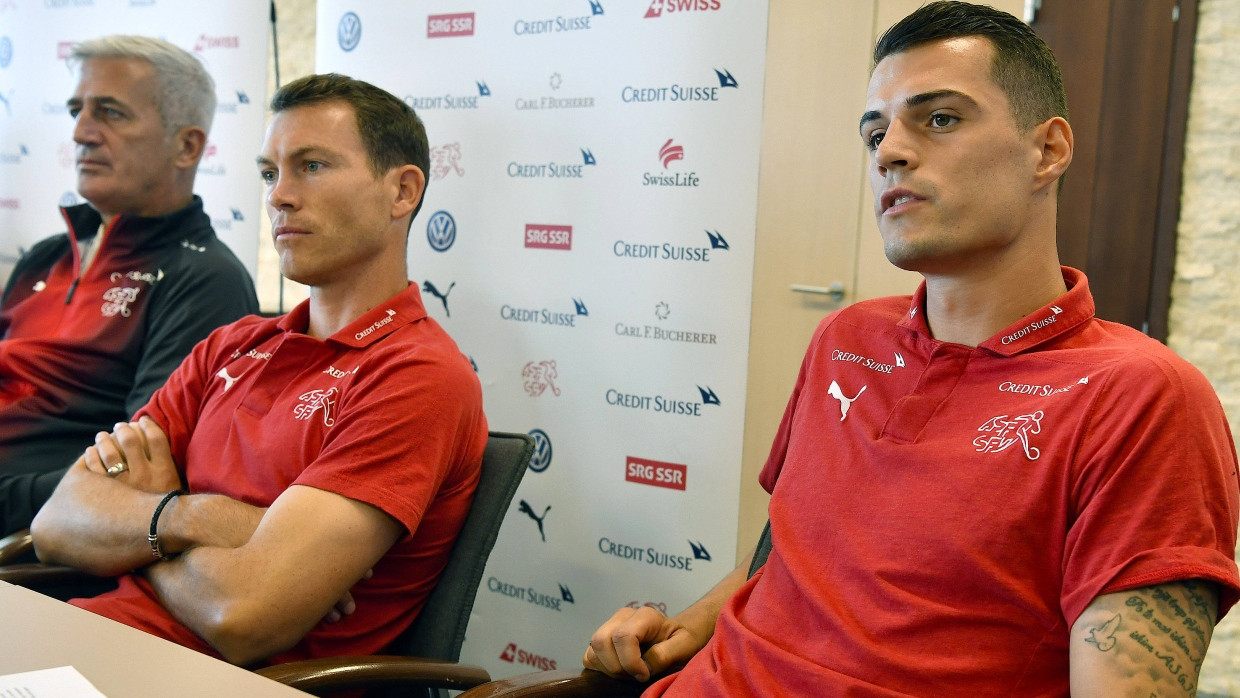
<point>295,489</point>
<point>981,489</point>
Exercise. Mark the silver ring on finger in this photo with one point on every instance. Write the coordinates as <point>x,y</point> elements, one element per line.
<point>117,469</point>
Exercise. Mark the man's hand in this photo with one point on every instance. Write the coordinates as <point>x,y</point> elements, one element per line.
<point>345,606</point>
<point>142,450</point>
<point>616,648</point>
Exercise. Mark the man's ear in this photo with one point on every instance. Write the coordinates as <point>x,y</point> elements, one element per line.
<point>1054,137</point>
<point>191,141</point>
<point>410,184</point>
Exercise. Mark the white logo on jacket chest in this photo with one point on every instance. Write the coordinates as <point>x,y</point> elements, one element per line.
<point>117,300</point>
<point>846,402</point>
<point>998,433</point>
<point>316,400</point>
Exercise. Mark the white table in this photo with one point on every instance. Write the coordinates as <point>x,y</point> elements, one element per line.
<point>38,632</point>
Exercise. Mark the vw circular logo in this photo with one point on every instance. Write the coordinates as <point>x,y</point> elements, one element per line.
<point>6,51</point>
<point>349,32</point>
<point>542,451</point>
<point>441,231</point>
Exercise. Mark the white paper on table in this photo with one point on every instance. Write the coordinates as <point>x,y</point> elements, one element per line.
<point>61,682</point>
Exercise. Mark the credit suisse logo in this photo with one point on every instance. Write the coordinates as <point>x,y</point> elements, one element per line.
<point>655,473</point>
<point>515,655</point>
<point>658,7</point>
<point>546,316</point>
<point>671,252</point>
<point>555,25</point>
<point>548,237</point>
<point>670,152</point>
<point>14,157</point>
<point>230,107</point>
<point>446,26</point>
<point>653,556</point>
<point>663,403</point>
<point>530,595</point>
<point>554,170</point>
<point>462,99</point>
<point>705,90</point>
<point>349,31</point>
<point>63,4</point>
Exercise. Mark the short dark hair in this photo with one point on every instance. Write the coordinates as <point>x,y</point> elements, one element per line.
<point>391,131</point>
<point>1024,66</point>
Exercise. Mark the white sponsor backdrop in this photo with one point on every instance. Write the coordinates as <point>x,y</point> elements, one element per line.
<point>638,126</point>
<point>36,133</point>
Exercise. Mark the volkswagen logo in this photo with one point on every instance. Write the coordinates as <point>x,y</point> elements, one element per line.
<point>542,451</point>
<point>349,32</point>
<point>441,231</point>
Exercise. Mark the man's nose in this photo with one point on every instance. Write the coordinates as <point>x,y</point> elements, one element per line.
<point>895,149</point>
<point>281,193</point>
<point>85,129</point>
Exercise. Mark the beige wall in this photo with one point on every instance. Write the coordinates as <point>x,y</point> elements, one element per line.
<point>1205,295</point>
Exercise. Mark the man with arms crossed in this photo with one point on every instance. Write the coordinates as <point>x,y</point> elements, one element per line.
<point>94,320</point>
<point>1033,501</point>
<point>341,438</point>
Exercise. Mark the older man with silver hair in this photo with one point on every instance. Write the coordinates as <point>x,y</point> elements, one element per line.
<point>93,320</point>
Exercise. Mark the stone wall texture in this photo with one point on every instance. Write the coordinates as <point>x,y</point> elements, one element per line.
<point>1205,295</point>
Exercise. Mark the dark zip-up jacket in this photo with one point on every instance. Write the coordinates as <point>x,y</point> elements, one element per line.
<point>82,349</point>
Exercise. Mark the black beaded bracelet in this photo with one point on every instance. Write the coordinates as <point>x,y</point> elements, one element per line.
<point>153,537</point>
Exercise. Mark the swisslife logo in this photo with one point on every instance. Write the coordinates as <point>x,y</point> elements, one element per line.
<point>670,152</point>
<point>447,26</point>
<point>658,7</point>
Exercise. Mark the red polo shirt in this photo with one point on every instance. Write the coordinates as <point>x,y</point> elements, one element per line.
<point>941,514</point>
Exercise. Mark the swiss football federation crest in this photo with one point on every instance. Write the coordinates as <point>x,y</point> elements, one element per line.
<point>117,300</point>
<point>541,460</point>
<point>441,231</point>
<point>349,32</point>
<point>540,376</point>
<point>445,160</point>
<point>315,401</point>
<point>999,433</point>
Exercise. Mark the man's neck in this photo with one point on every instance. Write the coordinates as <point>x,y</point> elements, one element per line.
<point>335,306</point>
<point>971,309</point>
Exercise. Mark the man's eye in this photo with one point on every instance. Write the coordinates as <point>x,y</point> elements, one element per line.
<point>268,176</point>
<point>874,139</point>
<point>74,111</point>
<point>942,120</point>
<point>314,166</point>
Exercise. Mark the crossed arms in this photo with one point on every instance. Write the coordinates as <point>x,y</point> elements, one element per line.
<point>1143,642</point>
<point>250,581</point>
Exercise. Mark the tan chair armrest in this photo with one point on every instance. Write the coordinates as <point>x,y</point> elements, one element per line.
<point>15,546</point>
<point>558,684</point>
<point>341,673</point>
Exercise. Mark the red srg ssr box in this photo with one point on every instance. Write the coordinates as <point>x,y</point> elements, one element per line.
<point>656,473</point>
<point>549,237</point>
<point>460,24</point>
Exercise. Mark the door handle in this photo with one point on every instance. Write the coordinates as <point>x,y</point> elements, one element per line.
<point>835,290</point>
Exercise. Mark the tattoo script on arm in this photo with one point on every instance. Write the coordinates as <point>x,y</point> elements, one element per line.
<point>1153,639</point>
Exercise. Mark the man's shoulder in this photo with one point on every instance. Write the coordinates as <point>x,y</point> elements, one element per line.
<point>873,313</point>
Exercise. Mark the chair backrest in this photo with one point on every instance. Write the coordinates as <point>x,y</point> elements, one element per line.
<point>439,629</point>
<point>762,551</point>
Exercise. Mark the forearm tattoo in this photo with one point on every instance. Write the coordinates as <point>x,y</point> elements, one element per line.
<point>1159,637</point>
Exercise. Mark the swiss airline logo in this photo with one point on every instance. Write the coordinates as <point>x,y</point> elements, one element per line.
<point>655,473</point>
<point>658,7</point>
<point>515,655</point>
<point>445,26</point>
<point>544,236</point>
